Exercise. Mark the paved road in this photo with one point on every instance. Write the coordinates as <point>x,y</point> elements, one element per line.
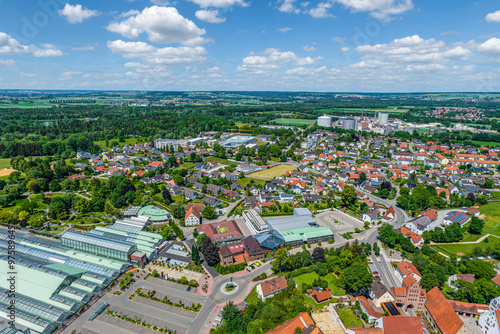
<point>202,321</point>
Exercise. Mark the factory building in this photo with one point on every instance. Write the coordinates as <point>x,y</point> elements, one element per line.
<point>349,124</point>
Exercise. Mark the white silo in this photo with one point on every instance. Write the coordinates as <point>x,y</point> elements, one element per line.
<point>325,121</point>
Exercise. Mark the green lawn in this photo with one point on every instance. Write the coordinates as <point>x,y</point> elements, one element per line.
<point>485,143</point>
<point>252,297</point>
<point>349,319</point>
<point>244,181</point>
<point>186,165</point>
<point>453,249</point>
<point>492,217</point>
<point>310,277</point>
<point>130,141</point>
<point>223,161</point>
<point>4,163</point>
<point>294,121</point>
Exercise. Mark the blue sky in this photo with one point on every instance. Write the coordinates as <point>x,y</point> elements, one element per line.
<point>326,45</point>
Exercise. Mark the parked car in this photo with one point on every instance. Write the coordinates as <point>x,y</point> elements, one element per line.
<point>188,288</point>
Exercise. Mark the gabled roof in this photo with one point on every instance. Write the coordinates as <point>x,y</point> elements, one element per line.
<point>442,312</point>
<point>273,285</point>
<point>378,289</point>
<point>402,325</point>
<point>407,268</point>
<point>303,321</point>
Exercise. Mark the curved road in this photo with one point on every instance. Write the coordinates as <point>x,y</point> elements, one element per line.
<point>202,321</point>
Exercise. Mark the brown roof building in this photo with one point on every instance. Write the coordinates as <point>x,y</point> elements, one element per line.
<point>441,314</point>
<point>271,287</point>
<point>402,325</point>
<point>302,321</point>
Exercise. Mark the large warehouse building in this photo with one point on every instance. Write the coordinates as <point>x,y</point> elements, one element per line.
<point>301,228</point>
<point>237,141</point>
<point>52,283</point>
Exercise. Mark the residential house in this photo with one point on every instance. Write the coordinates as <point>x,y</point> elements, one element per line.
<point>371,215</point>
<point>379,293</point>
<point>415,239</point>
<point>232,254</point>
<point>302,321</point>
<point>174,189</point>
<point>214,189</point>
<point>253,250</point>
<point>368,307</point>
<point>254,190</point>
<point>271,287</point>
<point>405,269</point>
<point>286,198</point>
<point>190,194</point>
<point>209,200</point>
<point>193,214</point>
<point>431,213</point>
<point>419,224</point>
<point>236,187</point>
<point>198,186</point>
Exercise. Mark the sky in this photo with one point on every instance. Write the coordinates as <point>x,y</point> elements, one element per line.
<point>246,45</point>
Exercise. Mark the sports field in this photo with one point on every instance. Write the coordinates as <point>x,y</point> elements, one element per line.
<point>273,172</point>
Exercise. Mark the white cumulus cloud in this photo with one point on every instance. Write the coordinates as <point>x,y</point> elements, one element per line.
<point>382,9</point>
<point>149,55</point>
<point>491,47</point>
<point>11,46</point>
<point>273,59</point>
<point>493,17</point>
<point>77,13</point>
<point>210,16</point>
<point>309,48</point>
<point>162,25</point>
<point>284,29</point>
<point>219,3</point>
<point>321,11</point>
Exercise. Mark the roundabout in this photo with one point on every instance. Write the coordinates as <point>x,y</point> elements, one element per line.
<point>229,288</point>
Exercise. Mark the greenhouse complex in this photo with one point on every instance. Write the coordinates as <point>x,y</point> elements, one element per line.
<point>56,278</point>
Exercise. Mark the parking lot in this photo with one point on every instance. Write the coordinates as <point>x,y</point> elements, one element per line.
<point>338,222</point>
<point>149,311</point>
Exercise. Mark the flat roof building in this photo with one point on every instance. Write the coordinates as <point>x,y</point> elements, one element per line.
<point>302,218</point>
<point>255,222</point>
<point>237,141</point>
<point>52,283</point>
<point>306,235</point>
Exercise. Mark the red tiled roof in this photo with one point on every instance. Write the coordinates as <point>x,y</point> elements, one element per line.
<point>273,285</point>
<point>442,312</point>
<point>496,279</point>
<point>322,296</point>
<point>402,325</point>
<point>303,320</point>
<point>407,268</point>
